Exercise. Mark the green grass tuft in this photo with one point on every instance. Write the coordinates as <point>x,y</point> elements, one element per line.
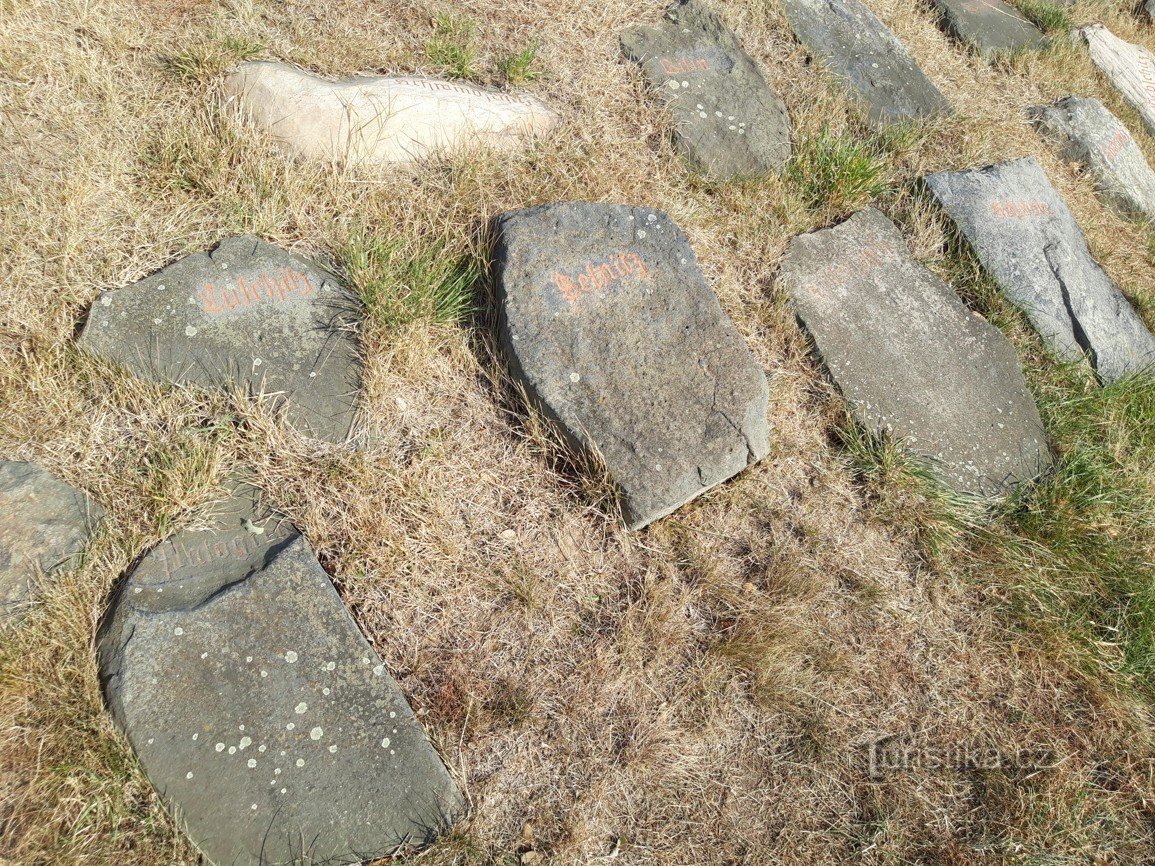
<point>1048,16</point>
<point>838,173</point>
<point>453,45</point>
<point>208,58</point>
<point>518,68</point>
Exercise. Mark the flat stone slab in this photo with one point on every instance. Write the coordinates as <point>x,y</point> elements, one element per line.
<point>264,719</point>
<point>375,119</point>
<point>912,360</point>
<point>1130,68</point>
<point>991,26</point>
<point>1089,134</point>
<point>729,121</point>
<point>1027,239</point>
<point>610,326</point>
<point>44,525</point>
<point>247,315</point>
<point>851,41</point>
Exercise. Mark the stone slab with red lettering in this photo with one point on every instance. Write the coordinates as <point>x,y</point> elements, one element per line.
<point>610,326</point>
<point>44,525</point>
<point>247,315</point>
<point>1130,68</point>
<point>263,718</point>
<point>1028,240</point>
<point>912,360</point>
<point>1089,134</point>
<point>729,122</point>
<point>991,26</point>
<point>853,44</point>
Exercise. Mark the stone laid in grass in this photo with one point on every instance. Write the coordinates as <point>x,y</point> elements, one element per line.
<point>1025,236</point>
<point>991,26</point>
<point>610,326</point>
<point>259,712</point>
<point>44,525</point>
<point>910,358</point>
<point>248,315</point>
<point>1130,68</point>
<point>855,45</point>
<point>1089,134</point>
<point>374,119</point>
<point>729,121</point>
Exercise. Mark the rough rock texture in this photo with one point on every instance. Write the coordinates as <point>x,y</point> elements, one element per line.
<point>1131,68</point>
<point>259,712</point>
<point>372,119</point>
<point>611,327</point>
<point>44,524</point>
<point>854,44</point>
<point>991,26</point>
<point>247,315</point>
<point>729,121</point>
<point>1025,236</point>
<point>1089,134</point>
<point>912,360</point>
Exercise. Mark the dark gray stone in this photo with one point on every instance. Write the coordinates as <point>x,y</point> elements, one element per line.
<point>991,26</point>
<point>44,524</point>
<point>1089,134</point>
<point>1025,236</point>
<point>855,45</point>
<point>729,121</point>
<point>248,315</point>
<point>259,712</point>
<point>910,358</point>
<point>610,326</point>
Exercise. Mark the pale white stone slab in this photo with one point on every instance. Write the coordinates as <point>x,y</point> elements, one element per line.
<point>1130,67</point>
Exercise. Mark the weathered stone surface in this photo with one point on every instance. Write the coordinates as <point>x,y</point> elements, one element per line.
<point>991,26</point>
<point>372,119</point>
<point>1025,236</point>
<point>729,121</point>
<point>910,358</point>
<point>854,44</point>
<point>610,326</point>
<point>1131,68</point>
<point>44,524</point>
<point>1089,134</point>
<point>1149,10</point>
<point>261,715</point>
<point>247,315</point>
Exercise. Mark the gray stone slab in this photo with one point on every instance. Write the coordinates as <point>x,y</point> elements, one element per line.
<point>1089,134</point>
<point>259,712</point>
<point>729,121</point>
<point>1028,240</point>
<point>851,41</point>
<point>609,324</point>
<point>44,525</point>
<point>991,26</point>
<point>247,315</point>
<point>912,360</point>
<point>1129,67</point>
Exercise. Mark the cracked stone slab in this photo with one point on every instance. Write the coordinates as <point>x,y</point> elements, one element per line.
<point>44,525</point>
<point>1130,68</point>
<point>259,712</point>
<point>1089,134</point>
<point>729,121</point>
<point>247,315</point>
<point>850,40</point>
<point>912,360</point>
<point>1028,240</point>
<point>610,326</point>
<point>375,119</point>
<point>991,26</point>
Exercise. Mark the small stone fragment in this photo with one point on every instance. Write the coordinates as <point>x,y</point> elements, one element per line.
<point>911,360</point>
<point>44,524</point>
<point>1130,68</point>
<point>248,315</point>
<point>609,324</point>
<point>374,119</point>
<point>991,26</point>
<point>1024,235</point>
<point>729,121</point>
<point>1089,134</point>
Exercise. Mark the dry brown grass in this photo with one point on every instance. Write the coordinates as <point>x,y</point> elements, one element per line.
<point>703,692</point>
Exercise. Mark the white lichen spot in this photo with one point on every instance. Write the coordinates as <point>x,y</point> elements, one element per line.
<point>574,377</point>
<point>283,790</point>
<point>204,655</point>
<point>290,656</point>
<point>290,726</point>
<point>137,590</point>
<point>106,301</point>
<point>379,670</point>
<point>300,708</point>
<point>188,775</point>
<point>385,743</point>
<point>330,666</point>
<point>264,673</point>
<point>249,659</point>
<point>316,733</point>
<point>277,771</point>
<point>313,375</point>
<point>178,631</point>
<point>254,804</point>
<point>190,331</point>
<point>325,691</point>
<point>157,321</point>
<point>685,84</point>
<point>673,85</point>
<point>641,233</point>
<point>261,747</point>
<point>364,660</point>
<point>257,362</point>
<point>232,750</point>
<point>196,736</point>
<point>332,749</point>
<point>392,714</point>
<point>150,741</point>
<point>300,762</point>
<point>220,747</point>
<point>160,287</point>
<point>702,114</point>
<point>252,763</point>
<point>245,742</point>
